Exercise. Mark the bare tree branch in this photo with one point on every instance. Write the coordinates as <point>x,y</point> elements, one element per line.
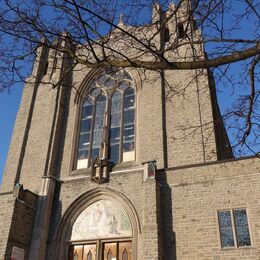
<point>191,35</point>
<point>251,98</point>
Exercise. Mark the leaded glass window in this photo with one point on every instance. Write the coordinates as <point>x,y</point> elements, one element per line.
<point>115,127</point>
<point>98,125</point>
<point>242,230</point>
<point>226,231</point>
<point>107,126</point>
<point>233,227</point>
<point>129,124</point>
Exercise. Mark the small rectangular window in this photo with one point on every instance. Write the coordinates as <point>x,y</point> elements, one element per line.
<point>225,227</point>
<point>233,228</point>
<point>242,230</point>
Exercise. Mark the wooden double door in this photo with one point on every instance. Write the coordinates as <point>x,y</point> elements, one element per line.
<point>111,250</point>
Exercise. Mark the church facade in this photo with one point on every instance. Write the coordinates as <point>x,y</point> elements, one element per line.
<point>132,165</point>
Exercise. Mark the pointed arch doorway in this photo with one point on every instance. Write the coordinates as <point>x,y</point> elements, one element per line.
<point>102,231</point>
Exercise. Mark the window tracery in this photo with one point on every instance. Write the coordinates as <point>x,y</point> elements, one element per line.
<point>107,125</point>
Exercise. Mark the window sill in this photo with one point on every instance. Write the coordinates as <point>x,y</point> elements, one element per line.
<point>81,172</point>
<point>124,165</point>
<point>86,172</point>
<point>116,167</point>
<point>237,248</point>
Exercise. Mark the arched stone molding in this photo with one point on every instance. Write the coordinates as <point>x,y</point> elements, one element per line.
<point>86,82</point>
<point>80,204</point>
<point>81,94</point>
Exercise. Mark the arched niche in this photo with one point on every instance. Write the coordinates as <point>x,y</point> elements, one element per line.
<point>94,210</point>
<point>101,220</point>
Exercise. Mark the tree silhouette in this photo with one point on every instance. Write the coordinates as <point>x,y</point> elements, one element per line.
<point>124,33</point>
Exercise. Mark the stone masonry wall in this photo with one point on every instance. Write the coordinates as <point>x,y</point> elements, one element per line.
<point>190,129</point>
<point>197,193</point>
<point>16,144</point>
<point>22,223</point>
<point>16,222</point>
<point>175,128</point>
<point>7,202</point>
<point>141,193</point>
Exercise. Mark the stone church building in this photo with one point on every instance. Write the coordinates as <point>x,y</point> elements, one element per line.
<point>126,165</point>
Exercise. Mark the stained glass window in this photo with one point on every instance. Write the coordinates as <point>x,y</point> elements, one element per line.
<point>233,226</point>
<point>226,231</point>
<point>129,124</point>
<point>98,125</point>
<point>84,137</point>
<point>115,127</point>
<point>242,230</point>
<point>107,127</point>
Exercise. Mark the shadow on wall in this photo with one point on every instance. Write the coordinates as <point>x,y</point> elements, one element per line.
<point>21,212</point>
<point>166,233</point>
<point>56,217</point>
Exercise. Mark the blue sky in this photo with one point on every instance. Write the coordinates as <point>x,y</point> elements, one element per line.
<point>9,104</point>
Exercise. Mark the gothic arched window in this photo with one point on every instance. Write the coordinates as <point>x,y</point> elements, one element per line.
<point>107,126</point>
